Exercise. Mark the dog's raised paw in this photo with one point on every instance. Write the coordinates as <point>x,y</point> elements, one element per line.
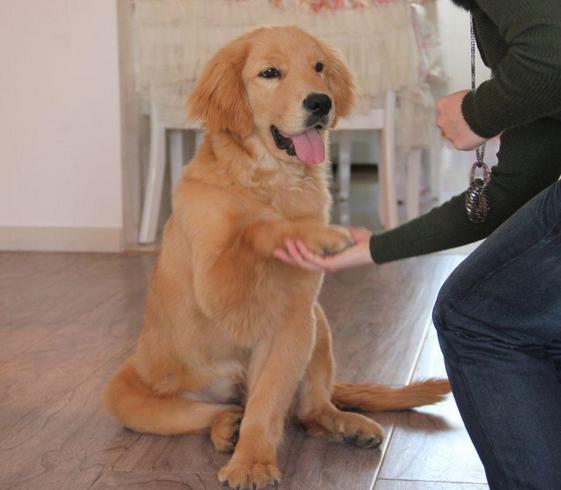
<point>328,240</point>
<point>225,431</point>
<point>249,476</point>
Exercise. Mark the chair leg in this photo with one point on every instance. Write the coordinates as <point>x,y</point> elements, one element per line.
<point>344,165</point>
<point>387,167</point>
<point>154,182</point>
<point>435,165</point>
<point>199,136</point>
<point>176,156</point>
<point>413,183</point>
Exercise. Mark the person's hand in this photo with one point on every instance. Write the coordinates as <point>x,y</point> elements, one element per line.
<point>296,253</point>
<point>452,124</point>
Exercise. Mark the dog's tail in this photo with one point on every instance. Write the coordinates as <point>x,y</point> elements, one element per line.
<point>380,398</point>
<point>131,402</point>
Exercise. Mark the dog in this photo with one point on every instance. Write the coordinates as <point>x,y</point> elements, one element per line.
<point>234,339</point>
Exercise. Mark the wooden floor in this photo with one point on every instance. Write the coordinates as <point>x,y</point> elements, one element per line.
<point>67,321</point>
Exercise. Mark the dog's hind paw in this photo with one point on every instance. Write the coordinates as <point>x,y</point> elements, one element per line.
<point>225,431</point>
<point>348,427</point>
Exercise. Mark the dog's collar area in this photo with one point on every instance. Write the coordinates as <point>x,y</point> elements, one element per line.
<point>282,142</point>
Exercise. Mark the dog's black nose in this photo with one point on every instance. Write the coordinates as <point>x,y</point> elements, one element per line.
<point>318,104</point>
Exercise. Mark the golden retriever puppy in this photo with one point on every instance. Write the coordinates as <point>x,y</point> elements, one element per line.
<point>231,335</point>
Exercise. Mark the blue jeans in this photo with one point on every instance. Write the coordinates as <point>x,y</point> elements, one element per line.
<point>498,319</point>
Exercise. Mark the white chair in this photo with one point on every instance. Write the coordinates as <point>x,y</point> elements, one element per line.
<point>413,168</point>
<point>382,120</point>
<point>162,118</point>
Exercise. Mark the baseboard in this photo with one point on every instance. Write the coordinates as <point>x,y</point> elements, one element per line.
<point>60,239</point>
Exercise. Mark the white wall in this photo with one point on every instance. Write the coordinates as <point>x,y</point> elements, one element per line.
<point>455,41</point>
<point>60,148</point>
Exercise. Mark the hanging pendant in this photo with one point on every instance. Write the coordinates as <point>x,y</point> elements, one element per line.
<point>477,200</point>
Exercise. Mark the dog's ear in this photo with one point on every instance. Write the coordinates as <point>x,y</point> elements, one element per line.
<point>341,84</point>
<point>219,98</point>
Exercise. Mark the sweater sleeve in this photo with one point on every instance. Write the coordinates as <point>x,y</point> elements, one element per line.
<point>526,83</point>
<point>529,161</point>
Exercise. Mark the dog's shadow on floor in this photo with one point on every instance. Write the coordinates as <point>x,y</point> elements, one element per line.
<point>415,421</point>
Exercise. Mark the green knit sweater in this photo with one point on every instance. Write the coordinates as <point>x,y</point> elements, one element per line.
<point>520,40</point>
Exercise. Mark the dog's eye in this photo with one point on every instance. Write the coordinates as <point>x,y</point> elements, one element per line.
<point>319,67</point>
<point>270,73</point>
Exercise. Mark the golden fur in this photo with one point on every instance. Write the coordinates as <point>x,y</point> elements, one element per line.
<point>229,331</point>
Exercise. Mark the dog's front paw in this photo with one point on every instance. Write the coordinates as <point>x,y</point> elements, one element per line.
<point>249,475</point>
<point>328,240</point>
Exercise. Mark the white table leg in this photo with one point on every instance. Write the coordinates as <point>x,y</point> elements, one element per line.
<point>387,167</point>
<point>435,165</point>
<point>177,156</point>
<point>344,165</point>
<point>413,183</point>
<point>199,136</point>
<point>155,180</point>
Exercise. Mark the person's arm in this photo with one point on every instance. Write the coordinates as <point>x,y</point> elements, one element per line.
<point>526,84</point>
<point>530,161</point>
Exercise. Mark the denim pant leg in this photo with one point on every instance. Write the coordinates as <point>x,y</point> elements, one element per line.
<point>498,318</point>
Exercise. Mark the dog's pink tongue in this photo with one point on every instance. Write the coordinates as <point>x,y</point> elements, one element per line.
<point>309,146</point>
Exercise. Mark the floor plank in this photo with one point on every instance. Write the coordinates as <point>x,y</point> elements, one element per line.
<point>39,290</point>
<point>49,288</point>
<point>67,321</point>
<point>437,448</point>
<point>157,480</point>
<point>379,316</point>
<point>69,338</point>
<point>68,443</point>
<point>38,378</point>
<point>426,485</point>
